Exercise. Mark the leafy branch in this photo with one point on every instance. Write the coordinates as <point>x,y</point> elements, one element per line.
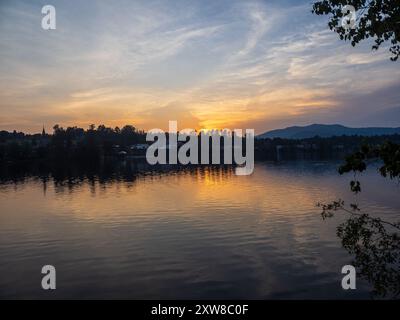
<point>374,242</point>
<point>376,19</point>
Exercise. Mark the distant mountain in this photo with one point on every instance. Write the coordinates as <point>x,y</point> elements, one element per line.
<point>326,130</point>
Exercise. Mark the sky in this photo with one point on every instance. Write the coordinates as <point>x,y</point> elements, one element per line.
<point>207,64</point>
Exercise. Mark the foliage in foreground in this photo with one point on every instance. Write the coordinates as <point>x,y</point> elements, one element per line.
<point>375,19</point>
<point>374,242</point>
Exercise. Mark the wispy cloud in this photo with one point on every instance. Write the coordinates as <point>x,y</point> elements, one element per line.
<point>257,64</point>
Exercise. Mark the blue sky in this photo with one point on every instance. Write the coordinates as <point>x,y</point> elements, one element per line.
<point>207,64</point>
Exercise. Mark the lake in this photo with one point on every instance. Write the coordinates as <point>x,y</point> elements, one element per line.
<point>194,233</point>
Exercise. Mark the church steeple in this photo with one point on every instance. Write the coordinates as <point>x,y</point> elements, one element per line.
<point>43,132</point>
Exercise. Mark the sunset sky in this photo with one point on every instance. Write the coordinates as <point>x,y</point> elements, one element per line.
<point>206,64</point>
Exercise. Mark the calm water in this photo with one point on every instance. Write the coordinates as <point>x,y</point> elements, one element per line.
<point>200,233</point>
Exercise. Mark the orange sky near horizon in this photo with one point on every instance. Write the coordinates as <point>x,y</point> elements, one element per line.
<point>208,65</point>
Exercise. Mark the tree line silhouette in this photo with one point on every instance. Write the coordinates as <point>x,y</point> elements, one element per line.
<point>88,146</point>
<point>70,144</point>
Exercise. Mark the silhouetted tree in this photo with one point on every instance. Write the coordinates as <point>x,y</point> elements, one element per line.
<point>374,242</point>
<point>376,19</point>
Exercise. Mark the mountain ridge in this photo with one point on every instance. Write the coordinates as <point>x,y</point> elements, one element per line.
<point>325,131</point>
